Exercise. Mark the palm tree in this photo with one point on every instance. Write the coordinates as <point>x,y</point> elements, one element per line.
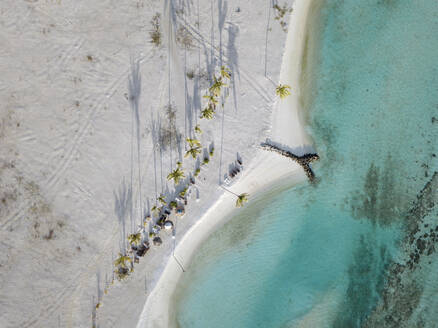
<point>225,72</point>
<point>161,199</point>
<point>211,99</point>
<point>283,90</point>
<point>155,210</point>
<point>176,175</point>
<point>242,198</point>
<point>134,238</point>
<point>121,260</point>
<point>194,151</point>
<point>208,112</point>
<point>198,129</point>
<point>216,87</point>
<point>193,142</point>
<point>195,148</point>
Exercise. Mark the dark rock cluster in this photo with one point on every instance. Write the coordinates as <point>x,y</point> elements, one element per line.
<point>304,160</point>
<point>421,237</point>
<point>402,294</point>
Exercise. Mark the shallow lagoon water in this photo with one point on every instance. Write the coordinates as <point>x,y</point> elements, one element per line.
<point>318,255</point>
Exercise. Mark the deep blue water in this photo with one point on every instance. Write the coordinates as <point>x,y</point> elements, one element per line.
<point>318,255</point>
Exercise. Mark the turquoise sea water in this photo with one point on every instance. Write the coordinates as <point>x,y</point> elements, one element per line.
<point>325,255</point>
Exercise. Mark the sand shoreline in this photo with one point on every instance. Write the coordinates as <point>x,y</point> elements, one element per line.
<point>287,129</point>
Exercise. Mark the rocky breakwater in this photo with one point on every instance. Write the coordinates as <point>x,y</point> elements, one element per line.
<point>304,160</point>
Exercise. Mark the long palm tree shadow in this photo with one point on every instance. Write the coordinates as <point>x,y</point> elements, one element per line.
<point>122,205</point>
<point>189,112</point>
<point>94,323</point>
<point>99,289</point>
<point>209,63</point>
<point>157,133</point>
<point>169,6</point>
<point>233,58</point>
<point>179,146</point>
<point>134,88</point>
<point>196,100</point>
<point>222,9</point>
<point>155,127</point>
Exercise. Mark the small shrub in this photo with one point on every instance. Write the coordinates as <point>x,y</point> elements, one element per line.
<point>155,34</point>
<point>169,136</point>
<point>198,170</point>
<point>280,12</point>
<point>190,74</point>
<point>205,161</point>
<point>184,38</point>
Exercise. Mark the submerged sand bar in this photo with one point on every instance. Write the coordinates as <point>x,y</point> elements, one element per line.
<point>266,170</point>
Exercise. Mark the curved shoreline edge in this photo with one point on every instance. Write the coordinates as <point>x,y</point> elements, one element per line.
<point>265,171</point>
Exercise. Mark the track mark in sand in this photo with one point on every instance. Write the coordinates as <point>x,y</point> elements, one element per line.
<point>72,286</point>
<point>76,140</point>
<point>71,51</point>
<point>196,34</point>
<point>36,8</point>
<point>77,283</point>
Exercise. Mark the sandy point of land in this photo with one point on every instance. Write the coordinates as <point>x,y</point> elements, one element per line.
<point>267,169</point>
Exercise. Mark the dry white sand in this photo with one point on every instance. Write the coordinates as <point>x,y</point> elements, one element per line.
<point>266,170</point>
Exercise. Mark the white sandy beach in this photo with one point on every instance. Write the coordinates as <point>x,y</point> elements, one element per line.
<point>266,170</point>
<point>76,165</point>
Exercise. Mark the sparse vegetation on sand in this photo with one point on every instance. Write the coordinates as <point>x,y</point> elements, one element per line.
<point>184,39</point>
<point>280,13</point>
<point>155,34</point>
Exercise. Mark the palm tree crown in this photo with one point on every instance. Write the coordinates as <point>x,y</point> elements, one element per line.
<point>208,112</point>
<point>242,198</point>
<point>194,151</point>
<point>176,175</point>
<point>283,90</point>
<point>161,199</point>
<point>121,260</point>
<point>134,238</point>
<point>211,99</point>
<point>215,88</point>
<point>225,72</point>
<point>193,142</point>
